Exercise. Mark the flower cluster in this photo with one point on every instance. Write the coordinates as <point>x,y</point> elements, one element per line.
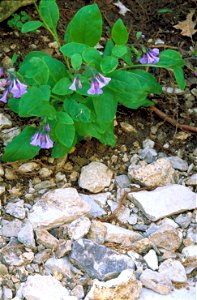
<point>151,57</point>
<point>42,138</point>
<point>9,85</point>
<point>97,83</point>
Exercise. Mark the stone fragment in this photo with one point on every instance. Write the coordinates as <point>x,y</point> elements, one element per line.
<point>128,128</point>
<point>28,168</point>
<point>98,261</point>
<point>58,265</point>
<point>40,287</point>
<point>79,228</point>
<point>166,237</point>
<point>184,220</point>
<point>174,270</point>
<point>8,134</point>
<point>189,260</point>
<point>164,201</point>
<point>124,287</point>
<point>11,228</point>
<point>178,163</point>
<point>57,207</point>
<point>2,190</point>
<point>26,235</point>
<point>7,293</point>
<point>156,281</point>
<point>7,8</point>
<point>97,232</point>
<point>46,239</point>
<point>15,256</point>
<point>3,270</point>
<point>120,235</point>
<point>64,247</point>
<point>4,122</point>
<point>78,292</point>
<point>151,260</point>
<point>45,172</point>
<point>122,181</point>
<point>42,256</point>
<point>148,154</point>
<point>141,246</point>
<point>159,173</point>
<point>190,251</point>
<point>95,209</point>
<point>16,209</point>
<point>95,177</point>
<point>192,180</point>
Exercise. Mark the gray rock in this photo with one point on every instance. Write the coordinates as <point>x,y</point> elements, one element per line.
<point>4,122</point>
<point>133,219</point>
<point>98,261</point>
<point>7,8</point>
<point>156,282</point>
<point>192,180</point>
<point>11,228</point>
<point>28,167</point>
<point>95,177</point>
<point>58,265</point>
<point>7,135</point>
<point>164,201</point>
<point>184,220</point>
<point>147,143</point>
<point>174,270</point>
<point>7,293</point>
<point>46,239</point>
<point>95,209</point>
<point>178,163</point>
<point>16,209</point>
<point>78,292</point>
<point>122,181</point>
<point>148,155</point>
<point>97,232</point>
<point>26,235</point>
<point>42,256</point>
<point>57,207</point>
<point>79,228</point>
<point>15,256</point>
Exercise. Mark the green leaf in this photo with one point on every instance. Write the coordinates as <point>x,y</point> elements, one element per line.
<point>78,111</point>
<point>59,150</point>
<point>170,59</point>
<point>73,48</point>
<point>119,50</point>
<point>13,104</point>
<point>179,75</point>
<point>92,57</point>
<point>62,87</point>
<point>36,103</point>
<point>64,118</point>
<point>31,26</point>
<point>85,27</point>
<point>120,34</point>
<point>108,64</point>
<point>147,81</point>
<point>20,147</point>
<point>105,106</point>
<point>108,48</point>
<point>37,71</point>
<point>76,61</point>
<point>65,134</point>
<point>49,13</point>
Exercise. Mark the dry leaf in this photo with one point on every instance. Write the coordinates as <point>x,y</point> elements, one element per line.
<point>187,27</point>
<point>123,9</point>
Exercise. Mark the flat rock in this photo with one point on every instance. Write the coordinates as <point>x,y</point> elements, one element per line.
<point>124,287</point>
<point>26,235</point>
<point>4,121</point>
<point>57,207</point>
<point>28,168</point>
<point>46,239</point>
<point>156,282</point>
<point>178,163</point>
<point>141,246</point>
<point>58,265</point>
<point>164,201</point>
<point>79,228</point>
<point>159,173</point>
<point>16,209</point>
<point>99,261</point>
<point>95,209</point>
<point>192,180</point>
<point>95,177</point>
<point>151,260</point>
<point>8,7</point>
<point>174,270</point>
<point>10,228</point>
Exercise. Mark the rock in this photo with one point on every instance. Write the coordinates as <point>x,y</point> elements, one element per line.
<point>78,292</point>
<point>7,8</point>
<point>15,256</point>
<point>95,177</point>
<point>98,261</point>
<point>141,246</point>
<point>122,181</point>
<point>97,232</point>
<point>174,270</point>
<point>4,122</point>
<point>28,168</point>
<point>7,293</point>
<point>124,287</point>
<point>26,235</point>
<point>8,134</point>
<point>192,180</point>
<point>64,247</point>
<point>164,201</point>
<point>41,257</point>
<point>45,172</point>
<point>46,239</point>
<point>156,281</point>
<point>11,228</point>
<point>95,209</point>
<point>190,251</point>
<point>40,287</point>
<point>57,207</point>
<point>3,270</point>
<point>151,260</point>
<point>190,258</point>
<point>147,143</point>
<point>16,209</point>
<point>2,191</point>
<point>166,237</point>
<point>79,228</point>
<point>58,265</point>
<point>101,198</point>
<point>184,220</point>
<point>132,220</point>
<point>120,235</point>
<point>159,173</point>
<point>148,154</point>
<point>178,163</point>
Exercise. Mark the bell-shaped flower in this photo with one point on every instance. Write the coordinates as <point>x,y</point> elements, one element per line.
<point>95,88</point>
<point>102,80</point>
<point>76,81</point>
<point>42,139</point>
<point>151,57</point>
<point>4,97</point>
<point>18,88</point>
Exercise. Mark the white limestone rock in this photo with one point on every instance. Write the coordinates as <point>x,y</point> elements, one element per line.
<point>79,228</point>
<point>174,270</point>
<point>151,259</point>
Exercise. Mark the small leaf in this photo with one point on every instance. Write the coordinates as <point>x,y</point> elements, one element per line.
<point>119,50</point>
<point>78,111</point>
<point>73,48</point>
<point>62,87</point>
<point>92,57</point>
<point>120,34</point>
<point>187,27</point>
<point>64,118</point>
<point>108,64</point>
<point>59,150</point>
<point>179,75</point>
<point>76,61</point>
<point>31,26</point>
<point>65,134</point>
<point>49,13</point>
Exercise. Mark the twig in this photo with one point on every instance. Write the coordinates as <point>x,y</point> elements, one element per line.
<point>163,46</point>
<point>170,120</point>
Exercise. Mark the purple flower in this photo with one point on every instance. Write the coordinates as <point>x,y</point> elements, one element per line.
<point>97,84</point>
<point>151,57</point>
<point>4,96</point>
<point>102,80</point>
<point>73,85</point>
<point>18,88</point>
<point>42,139</point>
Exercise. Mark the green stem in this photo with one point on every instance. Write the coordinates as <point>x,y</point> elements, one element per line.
<point>140,65</point>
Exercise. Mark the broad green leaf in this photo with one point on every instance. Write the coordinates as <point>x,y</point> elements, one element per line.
<point>65,134</point>
<point>31,26</point>
<point>78,111</point>
<point>108,64</point>
<point>73,48</point>
<point>108,137</point>
<point>170,59</point>
<point>119,50</point>
<point>62,87</point>
<point>64,118</point>
<point>147,81</point>
<point>120,34</point>
<point>13,104</point>
<point>105,106</point>
<point>76,61</point>
<point>59,150</point>
<point>49,13</point>
<point>20,147</point>
<point>37,71</point>
<point>57,69</point>
<point>179,75</point>
<point>108,48</point>
<point>85,27</point>
<point>92,57</point>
